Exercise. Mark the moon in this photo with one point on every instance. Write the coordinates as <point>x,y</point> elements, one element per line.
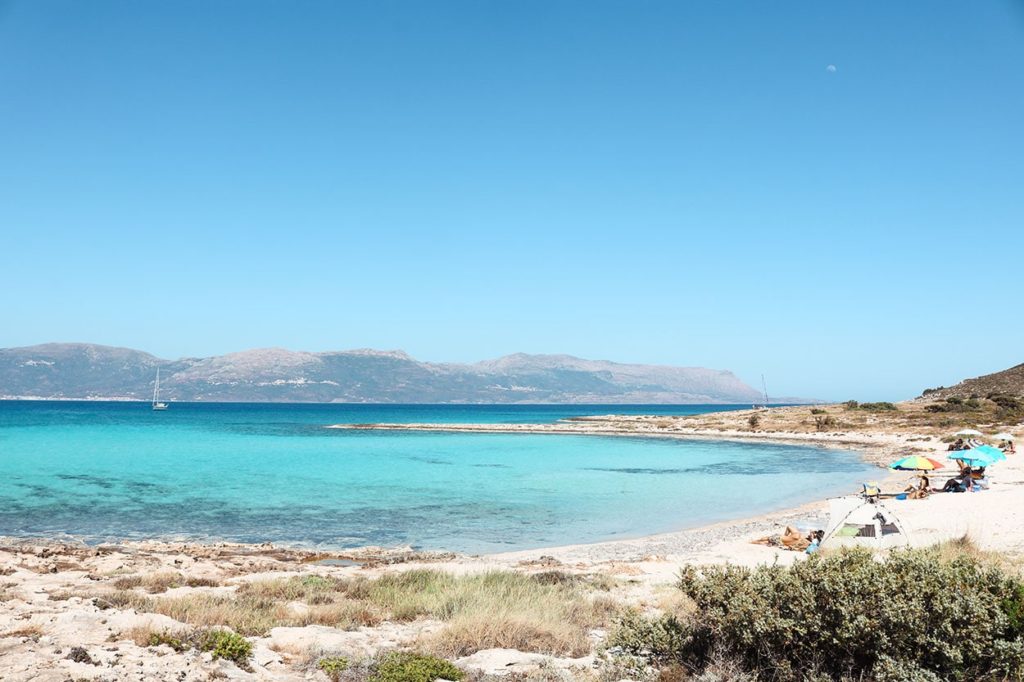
<point>831,68</point>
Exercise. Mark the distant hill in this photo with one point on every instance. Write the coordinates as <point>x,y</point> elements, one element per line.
<point>1009,382</point>
<point>80,371</point>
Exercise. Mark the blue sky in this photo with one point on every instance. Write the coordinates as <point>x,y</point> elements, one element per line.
<point>658,182</point>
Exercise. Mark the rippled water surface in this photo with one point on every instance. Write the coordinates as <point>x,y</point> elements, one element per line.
<point>252,473</point>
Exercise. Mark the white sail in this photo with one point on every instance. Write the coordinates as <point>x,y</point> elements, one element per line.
<point>157,405</point>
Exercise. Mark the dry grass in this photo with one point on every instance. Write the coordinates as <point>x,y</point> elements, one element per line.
<point>7,591</point>
<point>503,609</point>
<point>550,612</point>
<point>966,546</point>
<point>33,632</point>
<point>155,583</point>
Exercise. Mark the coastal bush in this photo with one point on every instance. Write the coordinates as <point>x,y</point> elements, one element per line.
<point>818,410</point>
<point>333,666</point>
<point>754,421</point>
<point>227,645</point>
<point>917,615</point>
<point>178,642</point>
<point>879,407</point>
<point>405,666</point>
<point>825,422</point>
<point>851,404</point>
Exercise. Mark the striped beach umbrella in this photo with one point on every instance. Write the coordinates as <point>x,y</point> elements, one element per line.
<point>916,463</point>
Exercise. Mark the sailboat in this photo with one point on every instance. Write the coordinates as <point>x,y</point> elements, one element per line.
<point>157,405</point>
<point>764,405</point>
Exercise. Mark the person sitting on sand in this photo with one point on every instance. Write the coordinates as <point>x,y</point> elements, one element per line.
<point>958,445</point>
<point>921,490</point>
<point>959,484</point>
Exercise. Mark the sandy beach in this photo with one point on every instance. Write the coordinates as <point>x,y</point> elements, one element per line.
<point>60,599</point>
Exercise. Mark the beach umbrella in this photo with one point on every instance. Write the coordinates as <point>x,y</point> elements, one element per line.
<point>969,432</point>
<point>916,463</point>
<point>973,458</point>
<point>1004,436</point>
<point>995,453</point>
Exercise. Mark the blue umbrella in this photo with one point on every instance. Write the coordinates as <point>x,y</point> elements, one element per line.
<point>995,453</point>
<point>973,458</point>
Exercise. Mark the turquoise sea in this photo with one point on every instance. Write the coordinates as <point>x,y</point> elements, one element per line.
<point>258,472</point>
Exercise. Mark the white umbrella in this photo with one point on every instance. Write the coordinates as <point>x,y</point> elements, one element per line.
<point>1004,436</point>
<point>968,432</point>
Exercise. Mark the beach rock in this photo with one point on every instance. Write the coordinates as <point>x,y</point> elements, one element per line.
<point>80,655</point>
<point>505,661</point>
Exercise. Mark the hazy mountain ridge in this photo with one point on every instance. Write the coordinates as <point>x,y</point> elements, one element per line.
<point>78,370</point>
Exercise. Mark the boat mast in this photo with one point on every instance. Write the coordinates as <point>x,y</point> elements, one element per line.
<point>764,387</point>
<point>156,387</point>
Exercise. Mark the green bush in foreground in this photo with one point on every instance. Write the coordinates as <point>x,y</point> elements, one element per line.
<point>915,616</point>
<point>333,666</point>
<point>404,666</point>
<point>226,644</point>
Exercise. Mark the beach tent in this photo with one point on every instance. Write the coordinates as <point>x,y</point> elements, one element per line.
<point>856,521</point>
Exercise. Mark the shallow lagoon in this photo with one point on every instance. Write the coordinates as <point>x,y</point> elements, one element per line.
<point>254,473</point>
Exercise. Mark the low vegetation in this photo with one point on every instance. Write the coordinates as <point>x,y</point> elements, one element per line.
<point>550,612</point>
<point>155,583</point>
<point>922,615</point>
<point>825,422</point>
<point>389,666</point>
<point>227,645</point>
<point>219,642</point>
<point>870,407</point>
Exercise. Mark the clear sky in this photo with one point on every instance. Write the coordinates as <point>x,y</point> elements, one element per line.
<point>830,193</point>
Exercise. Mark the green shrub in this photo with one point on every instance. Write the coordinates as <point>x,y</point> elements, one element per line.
<point>660,640</point>
<point>404,666</point>
<point>226,644</point>
<point>817,410</point>
<point>333,666</point>
<point>1013,607</point>
<point>851,404</point>
<point>878,407</point>
<point>918,615</point>
<point>754,421</point>
<point>176,642</point>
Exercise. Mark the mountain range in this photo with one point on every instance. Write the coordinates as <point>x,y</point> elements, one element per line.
<point>89,371</point>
